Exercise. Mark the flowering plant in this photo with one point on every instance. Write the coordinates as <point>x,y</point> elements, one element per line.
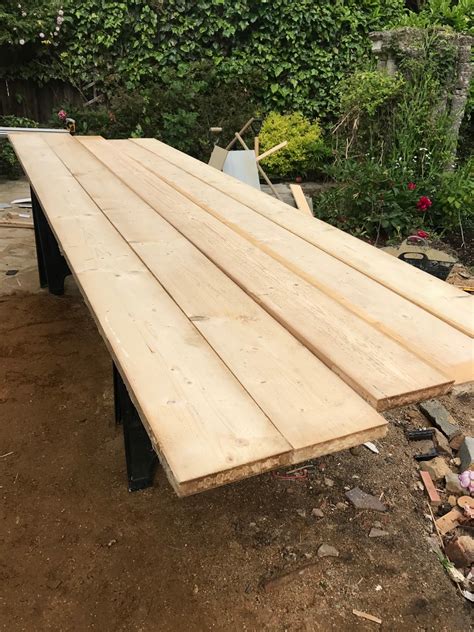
<point>32,22</point>
<point>423,203</point>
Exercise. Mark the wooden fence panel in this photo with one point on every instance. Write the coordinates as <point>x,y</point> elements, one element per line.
<point>25,98</point>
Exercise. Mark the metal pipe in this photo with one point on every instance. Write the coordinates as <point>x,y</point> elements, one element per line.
<point>4,131</point>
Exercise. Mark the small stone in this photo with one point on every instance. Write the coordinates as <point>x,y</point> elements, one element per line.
<point>195,589</point>
<point>357,450</point>
<point>466,454</point>
<point>328,482</point>
<point>460,551</point>
<point>440,417</point>
<point>111,542</point>
<point>377,533</point>
<point>301,512</point>
<point>317,513</point>
<point>326,550</point>
<point>456,442</point>
<point>452,500</point>
<point>361,500</point>
<point>437,468</point>
<point>341,505</point>
<point>453,485</point>
<point>442,443</point>
<point>378,525</point>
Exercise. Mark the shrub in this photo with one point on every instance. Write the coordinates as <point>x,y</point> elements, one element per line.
<point>305,147</point>
<point>393,131</point>
<point>9,166</point>
<point>453,206</point>
<point>372,202</point>
<point>179,110</point>
<point>457,15</point>
<point>299,49</point>
<point>366,91</point>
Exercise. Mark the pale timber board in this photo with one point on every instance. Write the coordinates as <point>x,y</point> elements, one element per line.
<point>300,200</point>
<point>306,401</point>
<point>431,338</point>
<point>382,371</point>
<point>204,425</point>
<point>441,299</point>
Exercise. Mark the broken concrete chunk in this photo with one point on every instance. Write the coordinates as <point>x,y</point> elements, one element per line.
<point>326,550</point>
<point>466,454</point>
<point>440,417</point>
<point>460,551</point>
<point>442,443</point>
<point>361,500</point>
<point>455,442</point>
<point>377,533</point>
<point>437,468</point>
<point>453,486</point>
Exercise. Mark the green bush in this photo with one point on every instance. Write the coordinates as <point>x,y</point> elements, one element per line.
<point>457,15</point>
<point>179,110</point>
<point>453,206</point>
<point>372,202</point>
<point>305,149</point>
<point>9,166</point>
<point>300,50</point>
<point>366,91</point>
<point>393,132</point>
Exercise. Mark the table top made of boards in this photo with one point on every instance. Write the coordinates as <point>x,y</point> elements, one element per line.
<point>250,336</point>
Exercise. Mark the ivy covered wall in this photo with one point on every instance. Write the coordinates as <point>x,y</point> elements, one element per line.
<point>298,50</point>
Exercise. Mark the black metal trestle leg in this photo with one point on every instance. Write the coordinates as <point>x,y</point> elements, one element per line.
<point>140,456</point>
<point>52,266</point>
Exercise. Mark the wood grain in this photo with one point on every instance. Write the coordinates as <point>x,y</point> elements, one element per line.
<point>441,299</point>
<point>205,427</point>
<point>278,372</point>
<point>431,338</point>
<point>378,368</point>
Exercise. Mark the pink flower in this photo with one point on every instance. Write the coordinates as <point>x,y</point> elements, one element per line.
<point>411,186</point>
<point>422,233</point>
<point>62,115</point>
<point>423,203</point>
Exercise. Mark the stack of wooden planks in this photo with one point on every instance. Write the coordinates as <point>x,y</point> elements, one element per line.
<point>249,336</point>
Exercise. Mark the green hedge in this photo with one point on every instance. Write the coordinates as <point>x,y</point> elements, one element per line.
<point>299,49</point>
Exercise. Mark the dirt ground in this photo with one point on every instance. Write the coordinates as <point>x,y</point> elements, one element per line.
<point>79,552</point>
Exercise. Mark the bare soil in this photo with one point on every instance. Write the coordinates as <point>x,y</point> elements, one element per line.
<point>79,552</point>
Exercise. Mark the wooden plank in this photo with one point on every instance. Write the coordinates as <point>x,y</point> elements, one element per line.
<point>300,199</point>
<point>441,299</point>
<point>11,223</point>
<point>378,368</point>
<point>271,151</point>
<point>448,349</point>
<point>278,372</point>
<point>205,427</point>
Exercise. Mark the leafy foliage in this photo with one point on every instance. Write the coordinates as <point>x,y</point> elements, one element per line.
<point>365,92</point>
<point>177,110</point>
<point>9,166</point>
<point>29,33</point>
<point>305,144</point>
<point>300,50</point>
<point>454,198</point>
<point>457,15</point>
<point>405,139</point>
